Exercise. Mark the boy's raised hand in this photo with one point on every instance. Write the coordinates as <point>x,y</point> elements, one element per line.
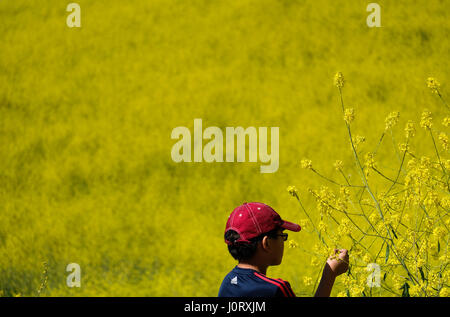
<point>336,265</point>
<point>338,262</point>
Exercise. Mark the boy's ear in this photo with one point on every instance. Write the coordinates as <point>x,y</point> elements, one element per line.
<point>265,243</point>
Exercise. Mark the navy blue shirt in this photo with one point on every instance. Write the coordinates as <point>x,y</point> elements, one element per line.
<point>250,283</point>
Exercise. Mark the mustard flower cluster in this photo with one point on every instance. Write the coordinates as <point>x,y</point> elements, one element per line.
<point>391,120</point>
<point>307,164</point>
<point>349,115</point>
<point>339,80</point>
<point>358,140</point>
<point>444,140</point>
<point>338,165</point>
<point>292,190</point>
<point>395,224</point>
<point>426,121</point>
<point>369,162</point>
<point>433,84</point>
<point>410,130</point>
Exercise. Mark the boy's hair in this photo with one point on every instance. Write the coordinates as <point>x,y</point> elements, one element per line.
<point>244,251</point>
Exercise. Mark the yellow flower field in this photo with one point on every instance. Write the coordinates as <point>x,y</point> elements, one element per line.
<point>86,115</point>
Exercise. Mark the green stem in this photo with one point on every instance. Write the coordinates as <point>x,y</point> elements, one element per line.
<point>371,194</point>
<point>306,213</point>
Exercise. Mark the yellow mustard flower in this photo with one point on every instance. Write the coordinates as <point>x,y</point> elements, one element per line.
<point>292,190</point>
<point>433,84</point>
<point>307,280</point>
<point>444,292</point>
<point>349,115</point>
<point>322,226</point>
<point>304,223</point>
<point>339,80</point>
<point>338,165</point>
<point>439,232</point>
<point>307,164</point>
<point>410,131</point>
<point>426,121</point>
<point>444,140</point>
<point>392,119</point>
<point>357,140</point>
<point>415,290</point>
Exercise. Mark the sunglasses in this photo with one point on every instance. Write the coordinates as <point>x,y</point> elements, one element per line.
<point>284,235</point>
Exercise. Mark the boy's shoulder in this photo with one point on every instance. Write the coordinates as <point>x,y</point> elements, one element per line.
<point>242,282</point>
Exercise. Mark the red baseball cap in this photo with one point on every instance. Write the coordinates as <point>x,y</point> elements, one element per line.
<point>253,219</point>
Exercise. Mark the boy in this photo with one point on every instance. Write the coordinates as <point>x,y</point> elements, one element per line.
<point>255,237</point>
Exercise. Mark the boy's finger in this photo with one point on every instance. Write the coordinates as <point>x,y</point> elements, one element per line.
<point>344,254</point>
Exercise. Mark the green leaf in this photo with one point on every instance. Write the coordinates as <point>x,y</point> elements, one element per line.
<point>387,254</point>
<point>405,288</point>
<point>394,233</point>
<point>421,274</point>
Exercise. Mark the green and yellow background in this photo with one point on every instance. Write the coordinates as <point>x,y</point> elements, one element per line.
<point>86,115</point>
